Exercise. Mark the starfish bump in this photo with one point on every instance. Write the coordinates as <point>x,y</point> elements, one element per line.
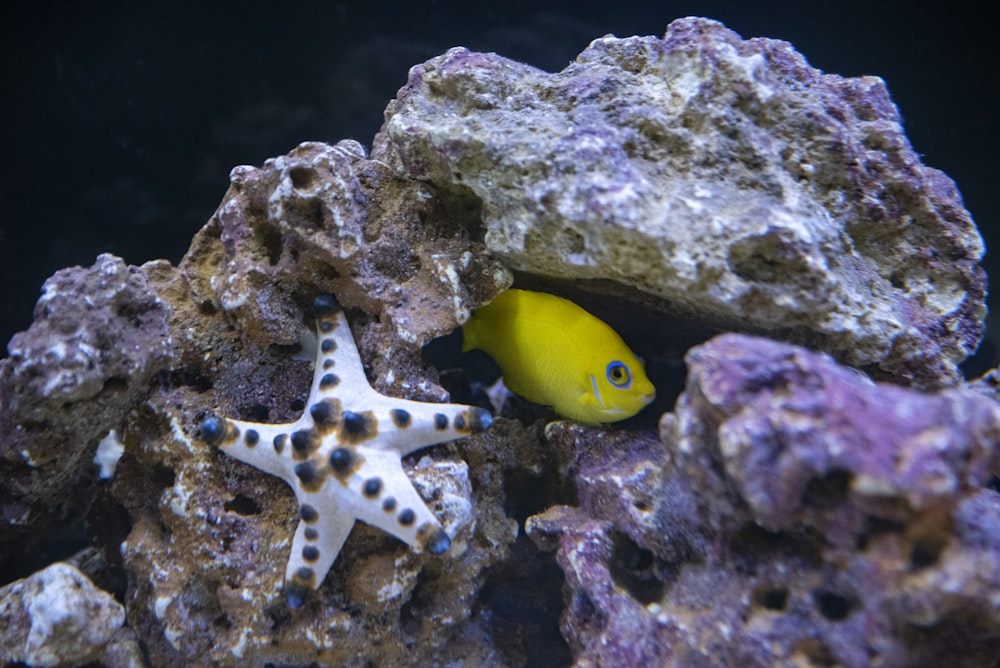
<point>343,457</point>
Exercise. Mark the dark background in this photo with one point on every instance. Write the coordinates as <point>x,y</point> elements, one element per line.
<point>120,121</point>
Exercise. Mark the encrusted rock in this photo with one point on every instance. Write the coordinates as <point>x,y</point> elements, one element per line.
<point>325,217</point>
<point>792,512</point>
<point>208,541</point>
<point>726,176</point>
<point>204,538</point>
<point>794,429</point>
<point>98,336</point>
<point>789,509</point>
<point>56,617</point>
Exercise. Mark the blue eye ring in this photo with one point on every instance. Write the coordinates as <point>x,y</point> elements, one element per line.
<point>619,375</point>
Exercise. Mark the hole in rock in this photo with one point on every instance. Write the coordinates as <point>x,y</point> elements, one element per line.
<point>241,504</point>
<point>424,599</point>
<point>875,527</point>
<point>161,477</point>
<point>258,413</point>
<point>528,494</point>
<point>279,614</point>
<point>283,350</point>
<point>128,312</point>
<point>966,635</point>
<point>108,524</point>
<point>771,598</point>
<point>421,601</point>
<point>174,379</point>
<point>656,331</point>
<point>398,260</point>
<point>271,241</point>
<point>632,568</point>
<point>753,544</point>
<point>771,257</point>
<point>994,483</point>
<point>302,178</point>
<point>523,599</point>
<point>114,385</point>
<point>307,212</point>
<point>829,490</point>
<point>926,551</point>
<point>835,607</point>
<point>59,543</point>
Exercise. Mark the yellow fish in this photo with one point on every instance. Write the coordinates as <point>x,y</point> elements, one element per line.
<point>554,353</point>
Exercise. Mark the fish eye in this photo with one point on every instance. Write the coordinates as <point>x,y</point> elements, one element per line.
<point>618,375</point>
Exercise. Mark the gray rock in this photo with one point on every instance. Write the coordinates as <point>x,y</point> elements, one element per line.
<point>203,537</point>
<point>328,217</point>
<point>98,336</point>
<point>56,617</point>
<point>789,507</point>
<point>723,175</point>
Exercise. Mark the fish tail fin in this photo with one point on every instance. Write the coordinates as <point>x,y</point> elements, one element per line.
<point>470,334</point>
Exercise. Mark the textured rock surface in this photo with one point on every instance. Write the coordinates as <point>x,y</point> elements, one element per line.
<point>205,538</point>
<point>813,423</point>
<point>209,541</point>
<point>788,508</point>
<point>792,511</point>
<point>323,216</point>
<point>56,617</point>
<point>98,336</point>
<point>725,176</point>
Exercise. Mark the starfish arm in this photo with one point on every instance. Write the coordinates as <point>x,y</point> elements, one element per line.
<point>380,493</point>
<point>339,372</point>
<point>265,446</point>
<point>407,426</point>
<point>323,528</point>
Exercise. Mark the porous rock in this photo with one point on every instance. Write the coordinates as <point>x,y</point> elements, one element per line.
<point>723,175</point>
<point>207,541</point>
<point>816,428</point>
<point>793,512</point>
<point>98,336</point>
<point>326,217</point>
<point>56,617</point>
<point>204,538</point>
<point>708,197</point>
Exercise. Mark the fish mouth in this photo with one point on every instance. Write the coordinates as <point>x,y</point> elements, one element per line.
<point>615,411</point>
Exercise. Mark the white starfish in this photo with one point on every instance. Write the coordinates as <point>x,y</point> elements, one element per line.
<point>343,456</point>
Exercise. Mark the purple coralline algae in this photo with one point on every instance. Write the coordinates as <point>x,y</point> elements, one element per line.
<point>204,538</point>
<point>723,175</point>
<point>792,511</point>
<point>789,510</point>
<point>98,337</point>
